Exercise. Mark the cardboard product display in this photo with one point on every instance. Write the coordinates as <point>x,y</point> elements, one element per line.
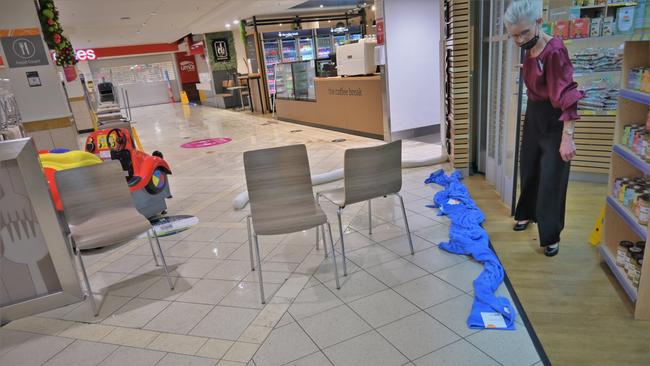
<point>625,20</point>
<point>596,27</point>
<point>561,29</point>
<point>608,26</point>
<point>580,28</point>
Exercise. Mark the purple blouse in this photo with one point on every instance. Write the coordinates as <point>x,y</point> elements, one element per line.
<point>549,76</point>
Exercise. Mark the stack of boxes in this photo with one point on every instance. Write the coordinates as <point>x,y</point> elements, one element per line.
<point>569,23</point>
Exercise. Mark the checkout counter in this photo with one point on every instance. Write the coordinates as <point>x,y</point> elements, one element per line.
<point>351,104</point>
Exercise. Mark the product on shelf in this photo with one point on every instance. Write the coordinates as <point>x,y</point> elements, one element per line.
<point>637,139</point>
<point>625,20</point>
<point>634,193</point>
<point>629,256</point>
<point>596,27</point>
<point>561,29</point>
<point>600,95</point>
<point>608,26</point>
<point>580,28</point>
<point>639,79</point>
<point>597,60</point>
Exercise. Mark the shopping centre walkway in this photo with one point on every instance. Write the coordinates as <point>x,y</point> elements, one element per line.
<point>392,309</point>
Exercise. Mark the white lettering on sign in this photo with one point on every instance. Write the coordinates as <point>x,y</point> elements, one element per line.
<point>187,66</point>
<point>287,34</point>
<point>81,55</point>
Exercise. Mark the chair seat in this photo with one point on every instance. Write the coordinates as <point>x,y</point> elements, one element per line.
<point>276,221</point>
<point>110,228</point>
<point>336,196</point>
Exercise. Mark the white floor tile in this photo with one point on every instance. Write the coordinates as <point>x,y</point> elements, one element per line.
<point>333,326</point>
<point>369,349</point>
<point>383,308</point>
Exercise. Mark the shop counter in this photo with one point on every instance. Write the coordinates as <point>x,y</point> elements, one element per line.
<point>347,104</point>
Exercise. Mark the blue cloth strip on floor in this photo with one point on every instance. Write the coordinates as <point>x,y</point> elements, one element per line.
<point>467,237</point>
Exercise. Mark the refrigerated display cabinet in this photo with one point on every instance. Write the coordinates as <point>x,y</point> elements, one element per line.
<point>271,58</point>
<point>295,80</point>
<point>284,81</point>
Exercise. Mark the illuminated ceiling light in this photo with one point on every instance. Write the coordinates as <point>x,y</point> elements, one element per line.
<point>329,21</point>
<point>227,25</point>
<point>321,5</point>
<point>236,21</point>
<point>365,4</point>
<point>374,8</point>
<point>280,24</point>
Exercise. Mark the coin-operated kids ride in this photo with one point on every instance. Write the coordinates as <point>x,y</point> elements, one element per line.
<point>145,174</point>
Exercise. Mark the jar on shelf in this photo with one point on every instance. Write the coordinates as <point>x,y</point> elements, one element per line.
<point>616,187</point>
<point>629,259</point>
<point>621,252</point>
<point>629,195</point>
<point>644,209</point>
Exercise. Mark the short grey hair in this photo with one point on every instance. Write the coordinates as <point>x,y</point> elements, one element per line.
<point>523,11</point>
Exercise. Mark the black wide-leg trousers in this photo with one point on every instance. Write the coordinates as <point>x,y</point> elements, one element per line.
<point>544,175</point>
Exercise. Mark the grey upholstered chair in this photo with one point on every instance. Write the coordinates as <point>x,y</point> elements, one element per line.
<point>369,173</point>
<point>99,210</point>
<point>281,198</point>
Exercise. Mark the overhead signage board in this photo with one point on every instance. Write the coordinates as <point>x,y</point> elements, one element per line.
<point>24,51</point>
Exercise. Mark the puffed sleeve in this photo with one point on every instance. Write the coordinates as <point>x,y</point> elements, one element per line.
<point>562,90</point>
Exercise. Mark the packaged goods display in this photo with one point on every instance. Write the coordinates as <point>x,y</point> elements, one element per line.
<point>600,95</point>
<point>629,256</point>
<point>634,193</point>
<point>639,79</point>
<point>597,59</point>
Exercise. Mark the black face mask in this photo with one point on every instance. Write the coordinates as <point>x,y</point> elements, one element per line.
<point>531,43</point>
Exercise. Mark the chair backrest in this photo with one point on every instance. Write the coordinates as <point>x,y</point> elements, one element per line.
<point>88,191</point>
<point>277,180</point>
<point>372,172</point>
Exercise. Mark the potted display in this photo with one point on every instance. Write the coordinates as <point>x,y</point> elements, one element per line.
<point>56,41</point>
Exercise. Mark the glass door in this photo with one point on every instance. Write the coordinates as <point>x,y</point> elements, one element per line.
<point>306,49</point>
<point>289,51</point>
<point>502,97</point>
<point>324,47</point>
<point>271,58</point>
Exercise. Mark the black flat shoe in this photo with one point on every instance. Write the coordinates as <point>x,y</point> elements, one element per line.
<point>520,227</point>
<point>552,252</point>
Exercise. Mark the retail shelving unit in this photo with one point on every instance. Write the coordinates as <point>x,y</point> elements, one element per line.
<point>457,79</point>
<point>620,223</point>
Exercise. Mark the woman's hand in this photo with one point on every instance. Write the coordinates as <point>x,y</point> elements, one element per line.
<point>567,147</point>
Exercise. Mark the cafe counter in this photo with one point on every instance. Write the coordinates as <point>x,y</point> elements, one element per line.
<point>346,104</point>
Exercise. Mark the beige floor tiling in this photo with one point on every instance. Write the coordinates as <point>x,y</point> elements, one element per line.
<point>241,352</point>
<point>177,343</point>
<point>88,332</point>
<point>214,348</point>
<point>130,337</point>
<point>39,325</point>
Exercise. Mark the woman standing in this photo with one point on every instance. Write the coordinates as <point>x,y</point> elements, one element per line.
<point>547,145</point>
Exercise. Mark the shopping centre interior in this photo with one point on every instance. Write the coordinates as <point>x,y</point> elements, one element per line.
<point>313,182</point>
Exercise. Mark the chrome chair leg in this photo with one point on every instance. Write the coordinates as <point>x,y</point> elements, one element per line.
<point>318,238</point>
<point>162,259</point>
<point>93,304</point>
<point>322,230</point>
<point>345,267</point>
<point>259,268</point>
<point>153,252</point>
<point>370,217</point>
<point>406,222</point>
<point>336,270</point>
<point>250,241</point>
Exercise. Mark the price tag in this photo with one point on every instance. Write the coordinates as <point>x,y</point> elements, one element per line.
<point>493,320</point>
<point>105,154</point>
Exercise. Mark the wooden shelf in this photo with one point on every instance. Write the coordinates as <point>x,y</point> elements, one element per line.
<point>620,223</point>
<point>634,95</point>
<point>618,272</point>
<point>632,158</point>
<point>628,217</point>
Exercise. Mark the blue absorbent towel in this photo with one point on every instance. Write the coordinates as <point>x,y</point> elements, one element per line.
<point>467,236</point>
